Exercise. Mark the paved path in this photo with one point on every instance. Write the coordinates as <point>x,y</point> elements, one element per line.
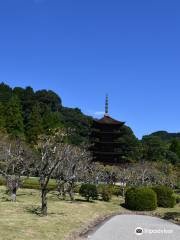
<point>123,227</point>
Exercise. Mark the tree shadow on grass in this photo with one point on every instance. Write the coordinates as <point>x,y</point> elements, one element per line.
<point>79,200</point>
<point>34,210</point>
<point>37,211</point>
<point>57,213</point>
<point>5,199</point>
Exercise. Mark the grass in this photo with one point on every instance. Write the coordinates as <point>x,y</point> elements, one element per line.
<point>19,221</point>
<point>169,213</point>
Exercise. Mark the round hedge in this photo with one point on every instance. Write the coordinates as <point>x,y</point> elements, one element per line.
<point>88,191</point>
<point>165,196</point>
<point>141,199</point>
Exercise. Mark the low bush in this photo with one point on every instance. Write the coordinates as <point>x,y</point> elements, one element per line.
<point>88,191</point>
<point>2,181</point>
<point>165,196</point>
<point>115,190</point>
<point>141,199</point>
<point>106,193</point>
<point>77,187</point>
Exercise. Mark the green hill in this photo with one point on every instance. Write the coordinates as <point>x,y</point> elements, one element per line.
<point>165,136</point>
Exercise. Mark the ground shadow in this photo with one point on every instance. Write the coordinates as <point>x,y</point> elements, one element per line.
<point>37,211</point>
<point>34,210</point>
<point>84,200</point>
<point>171,215</point>
<point>123,205</point>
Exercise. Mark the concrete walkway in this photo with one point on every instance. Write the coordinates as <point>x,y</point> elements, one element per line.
<point>136,227</point>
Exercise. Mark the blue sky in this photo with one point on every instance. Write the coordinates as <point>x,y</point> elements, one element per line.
<point>83,49</point>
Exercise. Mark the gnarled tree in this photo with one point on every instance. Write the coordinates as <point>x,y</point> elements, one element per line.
<point>75,162</point>
<point>16,162</point>
<point>53,151</point>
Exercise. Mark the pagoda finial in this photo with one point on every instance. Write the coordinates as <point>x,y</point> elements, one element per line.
<point>107,106</point>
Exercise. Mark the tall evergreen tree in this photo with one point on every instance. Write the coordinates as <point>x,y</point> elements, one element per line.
<point>14,118</point>
<point>34,125</point>
<point>5,93</point>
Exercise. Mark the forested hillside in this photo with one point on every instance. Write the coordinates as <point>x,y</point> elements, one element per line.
<point>165,136</point>
<point>26,114</point>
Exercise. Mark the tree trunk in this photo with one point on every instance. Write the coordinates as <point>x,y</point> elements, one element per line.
<point>44,202</point>
<point>13,197</point>
<point>70,190</point>
<point>71,195</point>
<point>123,192</point>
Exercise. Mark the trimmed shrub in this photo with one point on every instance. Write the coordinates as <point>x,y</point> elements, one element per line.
<point>88,191</point>
<point>130,198</point>
<point>165,196</point>
<point>106,193</point>
<point>141,199</point>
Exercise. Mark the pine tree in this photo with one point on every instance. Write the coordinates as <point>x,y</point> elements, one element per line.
<point>34,125</point>
<point>14,118</point>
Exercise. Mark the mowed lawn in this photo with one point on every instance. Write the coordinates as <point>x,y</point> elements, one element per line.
<point>18,221</point>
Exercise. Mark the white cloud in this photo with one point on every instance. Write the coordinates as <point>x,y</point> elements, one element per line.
<point>94,113</point>
<point>98,113</point>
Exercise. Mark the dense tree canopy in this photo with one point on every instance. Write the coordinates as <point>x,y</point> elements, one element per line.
<point>14,118</point>
<point>26,114</point>
<point>33,113</point>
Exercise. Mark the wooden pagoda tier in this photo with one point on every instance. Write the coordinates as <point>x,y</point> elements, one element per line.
<point>105,134</point>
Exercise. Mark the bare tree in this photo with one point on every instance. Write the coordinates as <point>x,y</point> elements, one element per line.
<point>70,170</point>
<point>53,151</point>
<point>16,163</point>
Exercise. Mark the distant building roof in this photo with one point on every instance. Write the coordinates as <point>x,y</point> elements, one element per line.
<point>108,120</point>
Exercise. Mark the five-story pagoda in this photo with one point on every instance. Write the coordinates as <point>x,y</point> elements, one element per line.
<point>105,139</point>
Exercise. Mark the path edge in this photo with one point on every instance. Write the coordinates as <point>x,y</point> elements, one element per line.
<point>91,227</point>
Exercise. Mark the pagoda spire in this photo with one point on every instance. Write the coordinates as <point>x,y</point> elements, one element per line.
<point>107,106</point>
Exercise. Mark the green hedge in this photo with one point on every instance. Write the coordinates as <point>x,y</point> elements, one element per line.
<point>165,196</point>
<point>88,191</point>
<point>141,199</point>
<point>33,183</point>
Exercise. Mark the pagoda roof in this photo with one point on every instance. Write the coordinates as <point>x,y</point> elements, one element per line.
<point>108,120</point>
